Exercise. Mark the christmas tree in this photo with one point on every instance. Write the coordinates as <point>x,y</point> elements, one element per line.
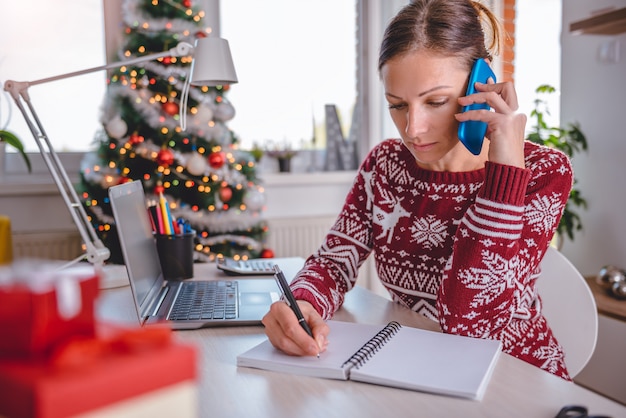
<point>205,178</point>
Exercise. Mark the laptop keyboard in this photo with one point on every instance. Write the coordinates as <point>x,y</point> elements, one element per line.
<point>202,300</point>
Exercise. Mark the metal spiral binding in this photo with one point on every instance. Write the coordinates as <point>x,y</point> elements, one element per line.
<point>363,354</point>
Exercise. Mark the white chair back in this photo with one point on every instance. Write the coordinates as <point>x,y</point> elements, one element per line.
<point>570,308</point>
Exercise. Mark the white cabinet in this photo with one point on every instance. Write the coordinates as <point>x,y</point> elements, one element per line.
<point>606,371</point>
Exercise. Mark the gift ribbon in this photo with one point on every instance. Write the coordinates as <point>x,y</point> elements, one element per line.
<point>68,296</point>
<point>80,352</point>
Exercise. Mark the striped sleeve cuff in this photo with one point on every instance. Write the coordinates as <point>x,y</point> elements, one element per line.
<point>495,220</point>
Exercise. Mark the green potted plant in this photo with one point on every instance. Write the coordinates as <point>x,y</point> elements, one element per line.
<point>257,152</point>
<point>11,139</point>
<point>569,139</point>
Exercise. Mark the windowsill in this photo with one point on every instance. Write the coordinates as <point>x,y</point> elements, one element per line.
<point>303,179</point>
<point>27,185</point>
<point>287,196</point>
<point>16,181</point>
<point>42,184</point>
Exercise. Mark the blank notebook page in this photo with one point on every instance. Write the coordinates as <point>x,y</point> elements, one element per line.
<point>431,361</point>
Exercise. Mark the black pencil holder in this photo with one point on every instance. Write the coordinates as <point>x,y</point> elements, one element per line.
<point>176,255</point>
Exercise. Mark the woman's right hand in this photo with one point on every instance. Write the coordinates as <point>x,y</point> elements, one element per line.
<point>506,127</point>
<point>286,334</point>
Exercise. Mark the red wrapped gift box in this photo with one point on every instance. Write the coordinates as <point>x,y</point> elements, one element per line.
<point>107,373</point>
<point>41,307</point>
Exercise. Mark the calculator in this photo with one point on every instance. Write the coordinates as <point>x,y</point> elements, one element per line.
<point>256,266</point>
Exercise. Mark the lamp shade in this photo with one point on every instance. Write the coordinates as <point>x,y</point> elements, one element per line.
<point>212,63</point>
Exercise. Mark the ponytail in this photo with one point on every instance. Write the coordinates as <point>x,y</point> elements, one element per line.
<point>492,27</point>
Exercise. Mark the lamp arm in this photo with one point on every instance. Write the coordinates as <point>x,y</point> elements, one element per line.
<point>16,88</point>
<point>96,252</point>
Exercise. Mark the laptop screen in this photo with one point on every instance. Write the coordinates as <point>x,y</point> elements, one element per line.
<point>136,240</point>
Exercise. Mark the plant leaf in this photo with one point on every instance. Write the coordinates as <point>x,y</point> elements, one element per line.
<point>568,140</point>
<point>11,139</point>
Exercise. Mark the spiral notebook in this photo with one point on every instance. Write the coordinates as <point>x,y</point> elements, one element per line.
<point>392,355</point>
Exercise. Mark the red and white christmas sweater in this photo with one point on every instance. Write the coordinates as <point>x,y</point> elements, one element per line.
<point>461,248</point>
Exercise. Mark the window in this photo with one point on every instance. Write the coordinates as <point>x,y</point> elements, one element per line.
<point>538,54</point>
<point>288,68</point>
<point>292,58</point>
<point>51,38</point>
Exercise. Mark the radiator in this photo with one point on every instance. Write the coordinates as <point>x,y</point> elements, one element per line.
<point>297,237</point>
<point>301,237</point>
<point>65,245</point>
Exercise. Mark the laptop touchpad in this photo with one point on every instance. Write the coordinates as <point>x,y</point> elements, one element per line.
<point>256,298</point>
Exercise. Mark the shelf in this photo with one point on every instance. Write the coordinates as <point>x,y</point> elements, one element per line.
<point>611,22</point>
<point>607,305</point>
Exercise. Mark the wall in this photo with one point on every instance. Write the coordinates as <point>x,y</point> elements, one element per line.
<point>593,94</point>
<point>508,52</point>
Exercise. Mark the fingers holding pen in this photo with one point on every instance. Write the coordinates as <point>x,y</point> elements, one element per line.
<point>285,332</point>
<point>319,327</point>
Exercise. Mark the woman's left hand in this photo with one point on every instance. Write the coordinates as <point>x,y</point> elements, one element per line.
<point>505,127</point>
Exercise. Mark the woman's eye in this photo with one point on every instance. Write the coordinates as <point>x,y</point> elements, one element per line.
<point>438,103</point>
<point>396,106</point>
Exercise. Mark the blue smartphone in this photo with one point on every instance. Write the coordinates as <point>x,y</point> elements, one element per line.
<point>472,132</point>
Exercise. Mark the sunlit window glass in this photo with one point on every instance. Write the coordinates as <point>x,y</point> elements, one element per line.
<point>292,58</point>
<point>43,38</point>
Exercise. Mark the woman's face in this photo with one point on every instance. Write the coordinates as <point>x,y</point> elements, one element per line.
<point>422,91</point>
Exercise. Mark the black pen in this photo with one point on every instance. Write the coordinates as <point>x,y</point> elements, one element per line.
<point>290,300</point>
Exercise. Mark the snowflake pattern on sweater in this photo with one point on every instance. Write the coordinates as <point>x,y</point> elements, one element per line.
<point>460,248</point>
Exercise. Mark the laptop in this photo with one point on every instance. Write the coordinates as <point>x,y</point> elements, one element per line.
<point>245,301</point>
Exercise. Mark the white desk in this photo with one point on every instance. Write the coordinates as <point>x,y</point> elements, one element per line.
<point>517,389</point>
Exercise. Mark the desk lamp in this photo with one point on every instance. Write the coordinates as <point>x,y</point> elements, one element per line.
<point>212,65</point>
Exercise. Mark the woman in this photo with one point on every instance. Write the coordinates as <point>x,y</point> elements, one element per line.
<point>456,237</point>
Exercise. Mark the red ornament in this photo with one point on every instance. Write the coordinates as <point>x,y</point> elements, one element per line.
<point>187,3</point>
<point>135,139</point>
<point>158,189</point>
<point>226,193</point>
<point>217,159</point>
<point>165,157</point>
<point>167,60</point>
<point>267,253</point>
<point>201,34</point>
<point>123,180</point>
<point>170,108</point>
